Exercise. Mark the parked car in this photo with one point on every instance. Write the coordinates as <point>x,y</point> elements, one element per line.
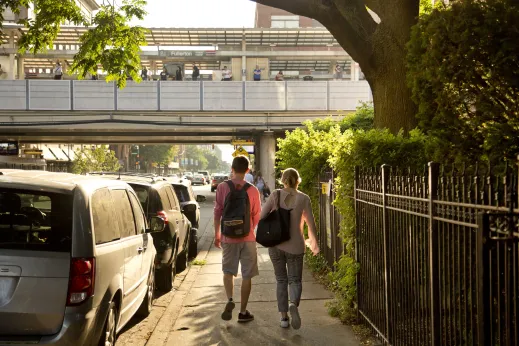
<point>191,209</point>
<point>217,180</point>
<point>76,259</point>
<point>158,199</point>
<point>206,175</point>
<point>188,176</point>
<point>198,179</point>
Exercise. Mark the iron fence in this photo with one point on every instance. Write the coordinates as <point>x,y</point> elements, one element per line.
<point>438,255</point>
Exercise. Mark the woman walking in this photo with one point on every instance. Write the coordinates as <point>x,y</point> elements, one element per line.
<point>259,182</point>
<point>287,257</point>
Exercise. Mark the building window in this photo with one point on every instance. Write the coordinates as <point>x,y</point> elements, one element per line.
<point>284,21</point>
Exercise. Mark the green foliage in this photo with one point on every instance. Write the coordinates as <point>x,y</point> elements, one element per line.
<point>99,159</point>
<point>113,43</point>
<point>50,15</point>
<point>197,154</point>
<point>342,146</point>
<point>159,154</point>
<point>463,62</point>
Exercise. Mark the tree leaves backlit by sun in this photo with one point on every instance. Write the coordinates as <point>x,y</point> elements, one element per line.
<point>110,44</point>
<point>113,43</point>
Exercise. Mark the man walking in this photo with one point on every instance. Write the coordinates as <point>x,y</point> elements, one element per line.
<point>58,71</point>
<point>226,74</point>
<point>236,215</point>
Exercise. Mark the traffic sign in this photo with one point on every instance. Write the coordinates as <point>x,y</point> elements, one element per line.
<point>240,151</point>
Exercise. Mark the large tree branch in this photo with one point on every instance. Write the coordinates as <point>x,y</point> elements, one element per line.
<point>347,20</point>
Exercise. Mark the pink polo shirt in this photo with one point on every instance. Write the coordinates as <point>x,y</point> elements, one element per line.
<point>255,205</point>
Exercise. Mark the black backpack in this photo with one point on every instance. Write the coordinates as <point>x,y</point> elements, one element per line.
<point>236,212</point>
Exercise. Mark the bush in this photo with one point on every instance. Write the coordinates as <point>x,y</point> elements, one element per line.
<point>463,71</point>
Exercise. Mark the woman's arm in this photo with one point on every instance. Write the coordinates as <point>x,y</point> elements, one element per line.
<point>267,208</point>
<point>312,228</point>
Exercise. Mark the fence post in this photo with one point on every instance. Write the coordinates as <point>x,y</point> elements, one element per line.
<point>357,234</point>
<point>434,277</point>
<point>484,301</point>
<point>385,229</point>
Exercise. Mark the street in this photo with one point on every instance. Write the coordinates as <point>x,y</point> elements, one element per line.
<point>190,313</point>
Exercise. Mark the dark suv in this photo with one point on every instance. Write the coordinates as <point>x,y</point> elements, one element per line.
<point>190,208</point>
<point>158,199</point>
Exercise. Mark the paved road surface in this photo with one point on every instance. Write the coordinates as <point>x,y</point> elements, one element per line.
<point>190,313</point>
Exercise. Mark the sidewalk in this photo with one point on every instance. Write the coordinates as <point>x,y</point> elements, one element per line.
<point>201,297</point>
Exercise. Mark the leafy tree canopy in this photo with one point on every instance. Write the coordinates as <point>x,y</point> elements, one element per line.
<point>463,66</point>
<point>99,159</point>
<point>160,154</point>
<point>110,41</point>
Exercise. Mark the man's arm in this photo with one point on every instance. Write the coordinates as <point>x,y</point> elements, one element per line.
<point>218,211</point>
<point>256,208</point>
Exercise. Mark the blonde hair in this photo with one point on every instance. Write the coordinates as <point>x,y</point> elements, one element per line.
<point>291,178</point>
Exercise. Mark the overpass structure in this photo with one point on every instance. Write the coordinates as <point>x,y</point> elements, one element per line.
<point>52,111</point>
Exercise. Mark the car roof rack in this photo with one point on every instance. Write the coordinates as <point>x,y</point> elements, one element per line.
<point>154,177</point>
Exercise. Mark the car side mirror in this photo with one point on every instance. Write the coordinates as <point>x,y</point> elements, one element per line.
<point>200,198</point>
<point>157,224</point>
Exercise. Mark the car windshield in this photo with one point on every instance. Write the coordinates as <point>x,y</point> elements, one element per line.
<point>38,221</point>
<point>182,193</point>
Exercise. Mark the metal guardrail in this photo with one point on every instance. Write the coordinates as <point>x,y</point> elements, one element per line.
<point>264,96</point>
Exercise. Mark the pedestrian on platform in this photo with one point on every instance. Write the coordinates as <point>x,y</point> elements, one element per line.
<point>178,74</point>
<point>226,74</point>
<point>338,72</point>
<point>236,215</point>
<point>58,71</point>
<point>287,257</point>
<point>279,76</point>
<point>257,74</point>
<point>144,73</point>
<point>196,72</point>
<point>164,74</point>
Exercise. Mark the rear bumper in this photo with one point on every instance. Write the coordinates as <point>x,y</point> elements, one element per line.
<point>78,329</point>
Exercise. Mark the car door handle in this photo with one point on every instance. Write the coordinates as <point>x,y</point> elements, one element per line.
<point>177,221</point>
<point>141,249</point>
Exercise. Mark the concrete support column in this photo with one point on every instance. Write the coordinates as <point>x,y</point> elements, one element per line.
<point>244,61</point>
<point>10,72</point>
<point>268,159</point>
<point>353,66</point>
<point>21,70</point>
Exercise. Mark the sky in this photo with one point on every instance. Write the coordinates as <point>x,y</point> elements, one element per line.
<point>199,14</point>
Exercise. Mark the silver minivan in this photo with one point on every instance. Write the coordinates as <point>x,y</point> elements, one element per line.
<point>76,259</point>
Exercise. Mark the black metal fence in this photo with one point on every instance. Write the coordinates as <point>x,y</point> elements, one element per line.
<point>438,256</point>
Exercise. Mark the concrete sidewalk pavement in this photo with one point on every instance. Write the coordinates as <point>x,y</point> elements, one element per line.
<point>194,315</point>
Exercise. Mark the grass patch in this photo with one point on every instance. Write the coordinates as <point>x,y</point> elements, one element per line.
<point>198,262</point>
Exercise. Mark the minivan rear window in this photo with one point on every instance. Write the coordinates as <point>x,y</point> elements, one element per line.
<point>35,220</point>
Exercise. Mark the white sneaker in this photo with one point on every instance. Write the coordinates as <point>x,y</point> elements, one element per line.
<point>294,314</point>
<point>284,323</point>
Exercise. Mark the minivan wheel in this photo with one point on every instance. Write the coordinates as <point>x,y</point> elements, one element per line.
<point>147,303</point>
<point>109,334</point>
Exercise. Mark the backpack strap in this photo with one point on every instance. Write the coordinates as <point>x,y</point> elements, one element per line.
<point>246,186</point>
<point>231,185</point>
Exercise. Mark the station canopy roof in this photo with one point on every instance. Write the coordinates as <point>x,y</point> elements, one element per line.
<point>211,36</point>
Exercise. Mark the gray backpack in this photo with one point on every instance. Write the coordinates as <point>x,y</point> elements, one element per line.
<point>236,212</point>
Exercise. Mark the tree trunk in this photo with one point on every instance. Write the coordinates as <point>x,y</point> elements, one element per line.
<point>394,108</point>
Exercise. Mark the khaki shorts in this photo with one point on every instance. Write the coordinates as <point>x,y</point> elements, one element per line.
<point>244,253</point>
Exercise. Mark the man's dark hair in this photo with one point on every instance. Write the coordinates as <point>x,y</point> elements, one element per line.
<point>240,164</point>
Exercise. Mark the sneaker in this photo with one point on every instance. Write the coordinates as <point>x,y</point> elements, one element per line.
<point>227,313</point>
<point>294,313</point>
<point>246,317</point>
<point>284,323</point>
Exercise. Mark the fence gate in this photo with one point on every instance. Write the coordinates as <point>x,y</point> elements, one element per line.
<point>330,243</point>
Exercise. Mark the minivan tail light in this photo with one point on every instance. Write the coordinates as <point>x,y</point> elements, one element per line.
<point>163,216</point>
<point>81,281</point>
